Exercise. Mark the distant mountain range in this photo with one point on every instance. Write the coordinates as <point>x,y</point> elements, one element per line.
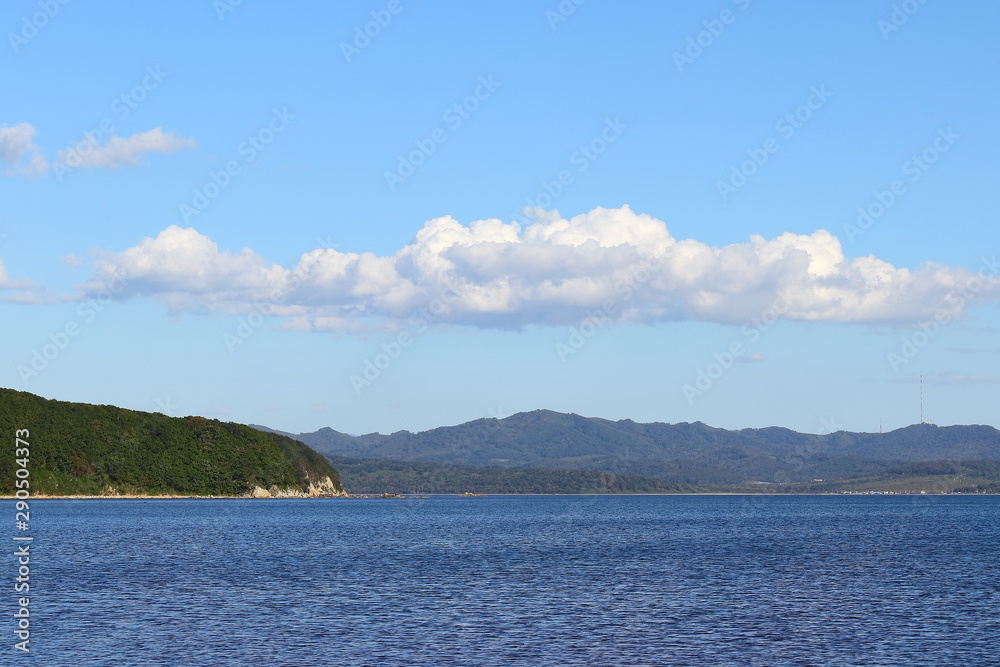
<point>680,454</point>
<point>80,449</point>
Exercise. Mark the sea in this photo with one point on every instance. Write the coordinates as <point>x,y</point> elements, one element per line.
<point>513,580</point>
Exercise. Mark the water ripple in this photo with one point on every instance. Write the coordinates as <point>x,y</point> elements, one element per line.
<point>519,581</point>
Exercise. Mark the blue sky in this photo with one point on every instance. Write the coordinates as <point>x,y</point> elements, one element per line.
<point>743,213</point>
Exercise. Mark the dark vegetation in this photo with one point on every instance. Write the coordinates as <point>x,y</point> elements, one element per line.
<point>928,476</point>
<point>376,476</point>
<point>689,456</point>
<point>79,449</point>
<point>380,476</point>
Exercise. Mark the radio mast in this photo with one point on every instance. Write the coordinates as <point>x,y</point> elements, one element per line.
<point>921,398</point>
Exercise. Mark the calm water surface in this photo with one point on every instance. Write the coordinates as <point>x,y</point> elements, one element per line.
<point>619,580</point>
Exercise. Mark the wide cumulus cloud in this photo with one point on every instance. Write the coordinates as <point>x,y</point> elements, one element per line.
<point>613,263</point>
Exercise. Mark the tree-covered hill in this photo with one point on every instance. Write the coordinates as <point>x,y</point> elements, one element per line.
<point>685,453</point>
<point>379,476</point>
<point>80,449</point>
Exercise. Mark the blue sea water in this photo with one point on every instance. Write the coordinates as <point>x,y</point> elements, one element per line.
<point>546,580</point>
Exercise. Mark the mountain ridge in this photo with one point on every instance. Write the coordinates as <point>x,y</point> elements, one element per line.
<point>683,453</point>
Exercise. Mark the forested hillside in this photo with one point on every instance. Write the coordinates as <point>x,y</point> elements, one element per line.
<point>377,476</point>
<point>684,453</point>
<point>80,449</point>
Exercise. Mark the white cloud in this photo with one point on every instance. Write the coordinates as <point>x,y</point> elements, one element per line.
<point>19,156</point>
<point>119,152</point>
<point>17,291</point>
<point>15,141</point>
<point>553,271</point>
<point>19,152</point>
<point>189,271</point>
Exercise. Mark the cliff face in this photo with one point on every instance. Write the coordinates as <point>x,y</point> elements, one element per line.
<point>80,449</point>
<point>324,488</point>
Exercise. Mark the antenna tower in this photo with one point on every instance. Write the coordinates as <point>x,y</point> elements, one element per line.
<point>921,398</point>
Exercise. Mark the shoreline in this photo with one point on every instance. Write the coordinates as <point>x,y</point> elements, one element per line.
<point>416,496</point>
<point>165,497</point>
